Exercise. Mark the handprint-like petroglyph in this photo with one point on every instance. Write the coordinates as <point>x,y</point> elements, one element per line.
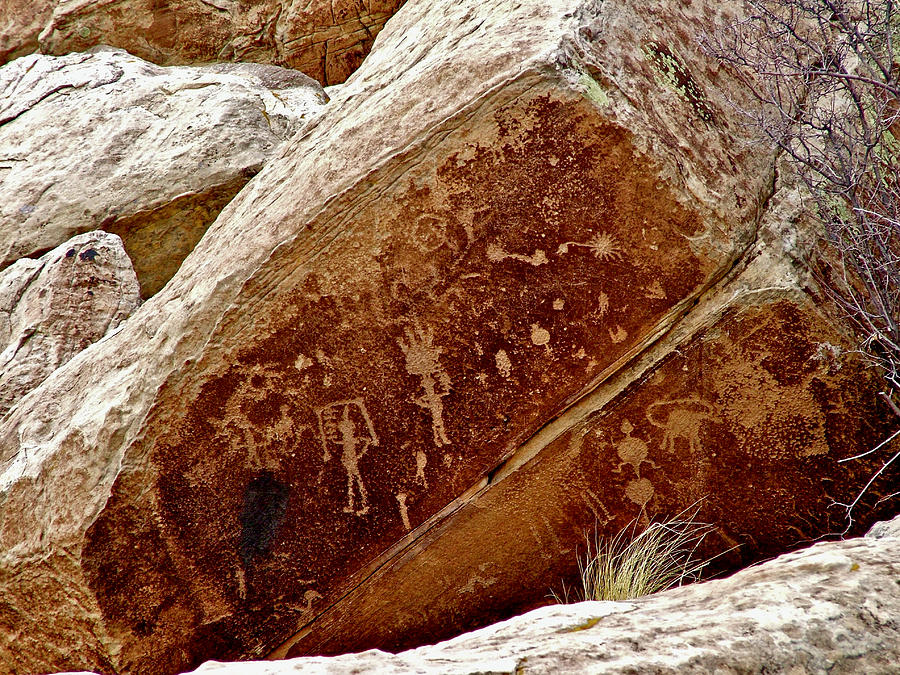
<point>347,425</point>
<point>603,245</point>
<point>681,419</point>
<point>422,359</point>
<point>497,254</point>
<point>632,451</point>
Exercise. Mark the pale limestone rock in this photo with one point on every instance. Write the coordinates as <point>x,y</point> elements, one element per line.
<point>54,306</point>
<point>106,140</point>
<point>303,441</point>
<point>832,608</point>
<point>327,39</point>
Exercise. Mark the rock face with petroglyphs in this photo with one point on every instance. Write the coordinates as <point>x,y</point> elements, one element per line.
<point>522,277</point>
<point>106,140</point>
<point>831,608</point>
<point>326,39</point>
<point>54,306</point>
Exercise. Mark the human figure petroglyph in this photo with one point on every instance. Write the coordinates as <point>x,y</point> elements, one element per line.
<point>422,359</point>
<point>347,424</point>
<point>603,245</point>
<point>632,451</point>
<point>682,419</point>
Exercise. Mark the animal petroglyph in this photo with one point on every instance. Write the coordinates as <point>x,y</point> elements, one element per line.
<point>603,245</point>
<point>632,451</point>
<point>497,254</point>
<point>346,425</point>
<point>680,419</point>
<point>422,359</point>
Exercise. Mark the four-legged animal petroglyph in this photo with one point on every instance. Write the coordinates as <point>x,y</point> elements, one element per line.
<point>682,419</point>
<point>497,254</point>
<point>346,425</point>
<point>422,360</point>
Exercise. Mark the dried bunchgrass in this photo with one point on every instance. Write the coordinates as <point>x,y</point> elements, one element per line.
<point>632,564</point>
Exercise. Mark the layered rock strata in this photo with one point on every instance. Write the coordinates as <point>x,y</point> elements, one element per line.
<point>513,283</point>
<point>326,39</point>
<point>106,140</point>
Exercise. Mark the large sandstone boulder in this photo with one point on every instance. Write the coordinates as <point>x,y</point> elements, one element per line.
<point>326,39</point>
<point>106,140</point>
<point>53,307</point>
<point>515,281</point>
<point>831,608</point>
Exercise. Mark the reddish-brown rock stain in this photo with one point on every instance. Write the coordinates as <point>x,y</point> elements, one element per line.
<point>536,230</point>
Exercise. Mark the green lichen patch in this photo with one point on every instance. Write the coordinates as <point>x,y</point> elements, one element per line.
<point>593,91</point>
<point>671,72</point>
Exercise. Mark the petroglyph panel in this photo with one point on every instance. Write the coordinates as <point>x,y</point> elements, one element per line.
<point>380,380</point>
<point>652,451</point>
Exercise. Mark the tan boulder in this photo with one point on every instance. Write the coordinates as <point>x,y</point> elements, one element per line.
<point>106,140</point>
<point>325,39</point>
<point>516,221</point>
<point>53,307</point>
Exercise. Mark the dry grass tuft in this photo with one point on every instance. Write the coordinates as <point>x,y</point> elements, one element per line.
<point>629,565</point>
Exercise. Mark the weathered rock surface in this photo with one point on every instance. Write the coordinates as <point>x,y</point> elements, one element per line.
<point>106,140</point>
<point>54,306</point>
<point>509,284</point>
<point>326,39</point>
<point>831,608</point>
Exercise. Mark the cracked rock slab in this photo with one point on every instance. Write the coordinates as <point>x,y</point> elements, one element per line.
<point>399,320</point>
<point>106,140</point>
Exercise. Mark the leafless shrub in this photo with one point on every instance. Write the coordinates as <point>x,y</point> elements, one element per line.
<point>826,74</point>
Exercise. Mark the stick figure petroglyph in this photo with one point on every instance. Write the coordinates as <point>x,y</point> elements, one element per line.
<point>346,424</point>
<point>422,360</point>
<point>682,419</point>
